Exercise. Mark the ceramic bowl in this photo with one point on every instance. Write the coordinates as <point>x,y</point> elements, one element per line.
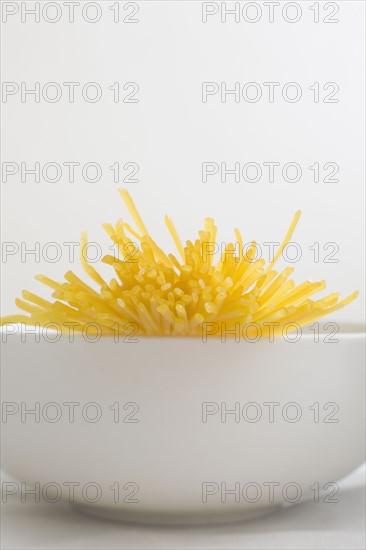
<point>177,430</point>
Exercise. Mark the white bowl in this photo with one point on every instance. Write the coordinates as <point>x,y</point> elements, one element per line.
<point>173,453</point>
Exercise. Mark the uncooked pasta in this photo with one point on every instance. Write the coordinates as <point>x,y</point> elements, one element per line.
<point>178,294</point>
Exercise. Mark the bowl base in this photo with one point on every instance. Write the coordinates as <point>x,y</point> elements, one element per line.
<point>161,518</point>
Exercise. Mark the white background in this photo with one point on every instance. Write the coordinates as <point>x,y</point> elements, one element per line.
<point>169,133</point>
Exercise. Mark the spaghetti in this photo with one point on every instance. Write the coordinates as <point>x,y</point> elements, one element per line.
<point>162,294</point>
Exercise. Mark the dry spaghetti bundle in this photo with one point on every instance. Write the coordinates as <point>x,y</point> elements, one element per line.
<point>162,294</point>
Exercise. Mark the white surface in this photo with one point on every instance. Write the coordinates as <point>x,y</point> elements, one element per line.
<point>305,526</point>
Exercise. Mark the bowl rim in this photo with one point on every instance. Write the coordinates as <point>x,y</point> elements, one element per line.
<point>346,330</point>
